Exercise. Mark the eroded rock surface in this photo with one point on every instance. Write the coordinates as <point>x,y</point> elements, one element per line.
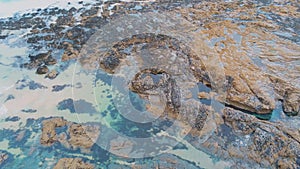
<point>49,135</point>
<point>242,137</point>
<point>78,135</point>
<point>72,163</point>
<point>250,47</point>
<point>83,135</point>
<point>255,66</point>
<point>253,57</point>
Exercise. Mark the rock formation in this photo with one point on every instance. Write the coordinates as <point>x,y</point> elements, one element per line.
<point>80,135</point>
<point>72,163</point>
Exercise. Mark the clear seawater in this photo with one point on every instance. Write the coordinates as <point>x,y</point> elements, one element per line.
<point>79,96</point>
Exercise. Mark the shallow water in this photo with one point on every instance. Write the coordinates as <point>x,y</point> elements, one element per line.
<point>92,97</point>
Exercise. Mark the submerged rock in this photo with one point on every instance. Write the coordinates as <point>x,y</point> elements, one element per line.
<point>3,157</point>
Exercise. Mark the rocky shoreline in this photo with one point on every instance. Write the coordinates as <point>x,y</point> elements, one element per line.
<point>257,69</point>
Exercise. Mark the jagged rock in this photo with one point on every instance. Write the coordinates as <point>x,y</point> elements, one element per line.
<point>289,94</point>
<point>69,53</point>
<point>78,135</point>
<point>250,87</point>
<point>83,136</point>
<point>49,135</point>
<point>72,163</point>
<point>157,82</point>
<point>257,81</point>
<point>265,143</point>
<point>194,113</point>
<point>260,68</point>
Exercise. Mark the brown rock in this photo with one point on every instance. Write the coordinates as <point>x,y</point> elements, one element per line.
<point>265,143</point>
<point>83,136</point>
<point>48,131</point>
<point>42,70</point>
<point>80,136</point>
<point>253,87</point>
<point>289,94</point>
<point>203,95</point>
<point>70,52</point>
<point>52,75</point>
<point>50,61</point>
<point>72,163</point>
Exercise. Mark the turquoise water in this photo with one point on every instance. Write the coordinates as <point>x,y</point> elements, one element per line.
<point>89,97</point>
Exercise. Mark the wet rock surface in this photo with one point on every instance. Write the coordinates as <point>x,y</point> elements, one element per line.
<point>49,135</point>
<point>252,86</point>
<point>83,136</point>
<point>263,143</point>
<point>157,82</point>
<point>72,163</point>
<point>52,74</point>
<point>259,65</point>
<point>77,136</point>
<point>249,90</point>
<point>42,70</point>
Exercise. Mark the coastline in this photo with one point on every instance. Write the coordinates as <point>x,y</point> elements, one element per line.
<point>260,69</point>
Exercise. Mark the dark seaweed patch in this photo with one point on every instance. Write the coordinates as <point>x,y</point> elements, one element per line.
<point>14,118</point>
<point>29,110</point>
<point>3,36</point>
<point>57,88</point>
<point>32,85</point>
